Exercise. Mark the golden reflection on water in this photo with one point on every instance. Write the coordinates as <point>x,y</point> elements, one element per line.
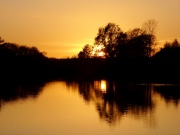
<point>99,107</point>
<point>101,85</point>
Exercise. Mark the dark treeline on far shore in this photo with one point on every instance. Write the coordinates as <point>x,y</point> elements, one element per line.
<point>127,56</point>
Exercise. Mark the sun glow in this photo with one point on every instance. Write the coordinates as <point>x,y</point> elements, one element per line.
<point>103,86</point>
<point>101,54</point>
<point>100,85</point>
<point>44,21</point>
<point>98,51</point>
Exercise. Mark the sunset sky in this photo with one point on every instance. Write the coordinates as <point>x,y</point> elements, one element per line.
<point>62,27</point>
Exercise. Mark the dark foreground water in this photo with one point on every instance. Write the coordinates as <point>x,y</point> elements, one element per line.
<point>90,108</point>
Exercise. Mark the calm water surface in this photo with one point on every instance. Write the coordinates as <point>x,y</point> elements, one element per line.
<point>89,108</point>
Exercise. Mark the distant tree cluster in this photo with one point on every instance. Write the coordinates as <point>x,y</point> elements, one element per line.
<point>174,44</point>
<point>139,42</point>
<point>13,50</point>
<point>170,52</point>
<point>20,62</point>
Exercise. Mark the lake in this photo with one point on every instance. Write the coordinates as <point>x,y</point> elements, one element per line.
<point>97,107</point>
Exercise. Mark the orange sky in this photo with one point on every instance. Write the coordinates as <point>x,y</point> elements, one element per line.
<point>62,27</point>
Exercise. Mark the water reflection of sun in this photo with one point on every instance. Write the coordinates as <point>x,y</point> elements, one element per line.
<point>101,85</point>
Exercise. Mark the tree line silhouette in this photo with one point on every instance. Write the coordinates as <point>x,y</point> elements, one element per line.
<point>139,42</point>
<point>13,91</point>
<point>126,56</point>
<point>118,99</point>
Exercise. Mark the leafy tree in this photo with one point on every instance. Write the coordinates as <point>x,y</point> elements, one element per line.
<point>11,50</point>
<point>86,51</point>
<point>140,43</point>
<point>81,54</point>
<point>169,53</point>
<point>134,33</point>
<point>174,44</point>
<point>107,38</point>
<point>130,45</point>
<point>121,49</point>
<point>134,43</point>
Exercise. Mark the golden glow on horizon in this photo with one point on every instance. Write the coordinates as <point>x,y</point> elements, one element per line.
<point>101,54</point>
<point>70,24</point>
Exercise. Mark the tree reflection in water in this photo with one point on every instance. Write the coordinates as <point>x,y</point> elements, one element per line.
<point>10,92</point>
<point>169,92</point>
<point>113,99</point>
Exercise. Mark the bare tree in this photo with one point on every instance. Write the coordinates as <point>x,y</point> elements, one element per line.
<point>150,27</point>
<point>134,33</point>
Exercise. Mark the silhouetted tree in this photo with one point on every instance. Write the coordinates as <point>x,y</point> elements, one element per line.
<point>135,43</point>
<point>150,27</point>
<point>107,38</point>
<point>11,50</point>
<point>86,52</point>
<point>8,50</point>
<point>140,43</point>
<point>1,40</point>
<point>131,45</point>
<point>174,44</point>
<point>81,55</point>
<point>170,53</point>
<point>121,47</point>
<point>166,62</point>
